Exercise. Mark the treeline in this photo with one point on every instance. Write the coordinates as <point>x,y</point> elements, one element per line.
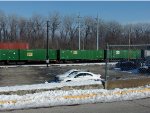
<point>64,31</point>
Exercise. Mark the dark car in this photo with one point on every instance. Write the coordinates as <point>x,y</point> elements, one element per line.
<point>146,67</point>
<point>126,65</point>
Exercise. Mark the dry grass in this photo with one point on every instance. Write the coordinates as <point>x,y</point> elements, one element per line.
<point>65,88</point>
<point>128,83</point>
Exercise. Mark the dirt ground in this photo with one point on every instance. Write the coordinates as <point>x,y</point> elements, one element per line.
<point>33,75</point>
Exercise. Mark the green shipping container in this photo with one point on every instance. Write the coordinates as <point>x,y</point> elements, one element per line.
<point>9,54</point>
<point>52,54</point>
<point>135,54</point>
<point>124,54</point>
<point>33,54</point>
<point>81,54</point>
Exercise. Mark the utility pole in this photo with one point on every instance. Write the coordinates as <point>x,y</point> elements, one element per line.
<point>129,41</point>
<point>106,66</point>
<point>97,32</point>
<point>79,31</point>
<point>47,54</point>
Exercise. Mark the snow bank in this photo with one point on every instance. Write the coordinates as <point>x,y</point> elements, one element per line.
<point>47,85</point>
<point>55,98</point>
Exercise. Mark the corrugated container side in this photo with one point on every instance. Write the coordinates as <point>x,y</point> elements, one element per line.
<point>9,54</point>
<point>125,54</point>
<point>81,54</point>
<point>33,54</point>
<point>135,54</point>
<point>52,54</point>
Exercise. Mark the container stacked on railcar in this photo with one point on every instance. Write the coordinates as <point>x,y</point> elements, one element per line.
<point>124,54</point>
<point>11,51</point>
<point>37,55</point>
<point>80,55</point>
<point>14,45</point>
<point>18,52</point>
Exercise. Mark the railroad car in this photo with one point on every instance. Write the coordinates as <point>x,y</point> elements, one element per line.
<point>80,55</point>
<point>39,55</point>
<point>53,55</point>
<point>32,55</point>
<point>7,55</point>
<point>124,54</point>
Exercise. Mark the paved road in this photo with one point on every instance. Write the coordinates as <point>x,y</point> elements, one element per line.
<point>136,106</point>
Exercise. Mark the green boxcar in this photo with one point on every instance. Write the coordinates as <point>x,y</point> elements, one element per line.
<point>81,54</point>
<point>9,54</point>
<point>52,54</point>
<point>124,54</point>
<point>33,54</point>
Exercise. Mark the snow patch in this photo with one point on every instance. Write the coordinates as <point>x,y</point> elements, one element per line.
<point>60,97</point>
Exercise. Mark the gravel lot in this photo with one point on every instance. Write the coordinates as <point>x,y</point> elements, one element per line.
<point>33,75</point>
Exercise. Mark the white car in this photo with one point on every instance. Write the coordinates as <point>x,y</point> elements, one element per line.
<point>82,76</point>
<point>66,74</point>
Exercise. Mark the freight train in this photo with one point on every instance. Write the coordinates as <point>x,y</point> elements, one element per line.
<point>39,55</point>
<point>25,55</point>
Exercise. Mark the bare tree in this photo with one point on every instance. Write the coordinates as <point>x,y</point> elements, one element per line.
<point>22,26</point>
<point>54,24</point>
<point>63,36</point>
<point>3,27</point>
<point>35,28</point>
<point>114,30</point>
<point>64,31</point>
<point>141,33</point>
<point>13,27</point>
<point>89,29</point>
<point>70,26</point>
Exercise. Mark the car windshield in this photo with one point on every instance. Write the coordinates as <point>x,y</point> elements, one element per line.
<point>80,75</point>
<point>74,72</point>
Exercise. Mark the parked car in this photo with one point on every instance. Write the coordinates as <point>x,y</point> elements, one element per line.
<point>126,65</point>
<point>66,74</point>
<point>82,76</point>
<point>146,67</point>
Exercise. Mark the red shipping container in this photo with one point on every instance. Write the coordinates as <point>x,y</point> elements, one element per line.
<point>14,45</point>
